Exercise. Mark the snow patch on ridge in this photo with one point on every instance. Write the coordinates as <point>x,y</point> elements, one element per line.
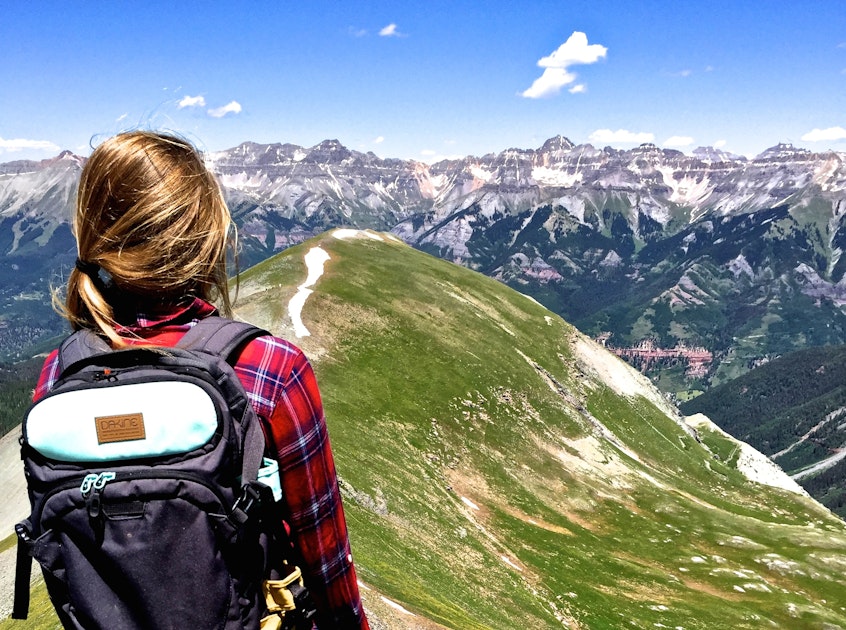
<point>508,561</point>
<point>396,606</point>
<point>347,233</point>
<point>243,181</point>
<point>555,177</point>
<point>314,260</point>
<point>480,173</point>
<point>469,503</point>
<point>753,464</point>
<point>687,190</point>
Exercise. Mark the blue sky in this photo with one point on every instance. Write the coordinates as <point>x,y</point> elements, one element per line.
<point>425,80</point>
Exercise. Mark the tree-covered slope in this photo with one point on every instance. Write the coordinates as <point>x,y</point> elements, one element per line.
<point>500,470</point>
<point>794,410</point>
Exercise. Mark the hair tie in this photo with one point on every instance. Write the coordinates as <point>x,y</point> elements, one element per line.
<point>90,269</point>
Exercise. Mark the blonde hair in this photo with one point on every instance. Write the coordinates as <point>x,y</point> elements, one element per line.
<point>151,216</point>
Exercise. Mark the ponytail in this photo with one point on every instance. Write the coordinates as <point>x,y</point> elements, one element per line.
<point>151,218</point>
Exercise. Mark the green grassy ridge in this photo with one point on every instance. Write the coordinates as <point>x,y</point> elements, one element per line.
<point>467,425</point>
<point>431,400</point>
<point>41,614</point>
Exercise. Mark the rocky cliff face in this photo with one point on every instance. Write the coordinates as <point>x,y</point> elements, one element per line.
<point>743,257</point>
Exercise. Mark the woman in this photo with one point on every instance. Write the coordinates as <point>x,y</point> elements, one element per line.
<point>152,232</point>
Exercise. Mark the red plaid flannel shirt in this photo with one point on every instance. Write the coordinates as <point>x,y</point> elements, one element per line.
<point>281,386</point>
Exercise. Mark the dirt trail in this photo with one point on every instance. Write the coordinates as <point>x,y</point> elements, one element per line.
<point>15,504</point>
<point>13,508</point>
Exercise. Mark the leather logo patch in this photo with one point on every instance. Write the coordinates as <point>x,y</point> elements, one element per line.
<point>122,428</point>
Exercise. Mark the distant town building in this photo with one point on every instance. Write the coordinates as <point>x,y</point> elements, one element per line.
<point>646,353</point>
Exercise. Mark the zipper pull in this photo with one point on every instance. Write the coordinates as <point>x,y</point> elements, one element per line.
<point>91,489</point>
<point>88,485</point>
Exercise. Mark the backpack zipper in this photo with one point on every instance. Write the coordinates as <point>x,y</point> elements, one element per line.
<point>91,491</point>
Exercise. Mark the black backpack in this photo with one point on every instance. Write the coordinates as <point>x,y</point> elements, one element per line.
<point>143,468</point>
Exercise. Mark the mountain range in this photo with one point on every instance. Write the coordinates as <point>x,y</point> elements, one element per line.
<point>741,257</point>
<point>502,470</point>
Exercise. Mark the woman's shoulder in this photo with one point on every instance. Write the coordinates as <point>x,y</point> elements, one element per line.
<point>49,374</point>
<point>272,344</point>
<point>270,353</point>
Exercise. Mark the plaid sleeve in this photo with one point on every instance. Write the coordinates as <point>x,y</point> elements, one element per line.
<point>285,389</point>
<point>49,374</point>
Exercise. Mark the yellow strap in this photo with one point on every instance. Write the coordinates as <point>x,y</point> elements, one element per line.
<point>271,622</point>
<point>294,576</point>
<point>276,594</point>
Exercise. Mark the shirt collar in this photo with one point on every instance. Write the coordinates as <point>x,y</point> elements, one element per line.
<point>174,315</point>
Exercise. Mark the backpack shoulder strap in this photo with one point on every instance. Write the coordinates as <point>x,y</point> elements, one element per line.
<point>220,336</point>
<point>80,345</point>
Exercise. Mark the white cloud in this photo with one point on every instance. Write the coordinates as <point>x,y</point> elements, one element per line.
<point>20,144</point>
<point>233,107</point>
<point>581,88</point>
<point>192,101</point>
<point>390,31</point>
<point>549,83</point>
<point>831,134</point>
<point>575,51</point>
<point>357,32</point>
<point>621,136</point>
<point>678,141</point>
<point>719,144</point>
<point>121,118</point>
<point>428,152</point>
<point>379,140</point>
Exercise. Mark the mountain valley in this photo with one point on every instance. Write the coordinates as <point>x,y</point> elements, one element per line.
<point>695,268</point>
<point>500,469</point>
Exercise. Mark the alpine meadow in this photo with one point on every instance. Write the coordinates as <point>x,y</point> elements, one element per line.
<point>502,470</point>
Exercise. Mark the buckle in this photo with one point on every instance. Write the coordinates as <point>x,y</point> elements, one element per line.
<point>246,504</point>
